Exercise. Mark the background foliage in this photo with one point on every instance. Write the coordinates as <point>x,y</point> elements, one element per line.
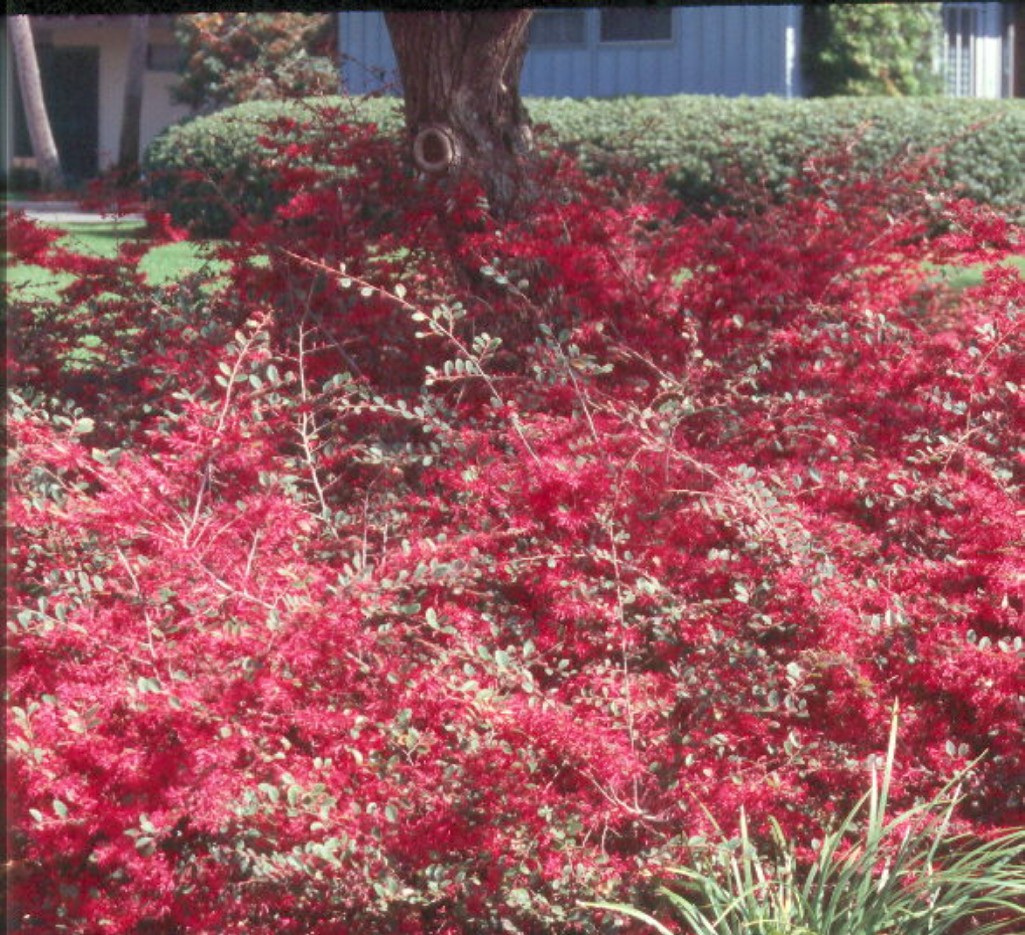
<point>416,573</point>
<point>235,57</point>
<point>891,49</point>
<point>203,168</point>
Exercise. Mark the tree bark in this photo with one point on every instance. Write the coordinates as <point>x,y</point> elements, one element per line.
<point>460,75</point>
<point>135,76</point>
<point>44,148</point>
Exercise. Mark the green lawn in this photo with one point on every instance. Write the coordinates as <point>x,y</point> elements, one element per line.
<point>162,264</point>
<point>168,262</point>
<point>961,277</point>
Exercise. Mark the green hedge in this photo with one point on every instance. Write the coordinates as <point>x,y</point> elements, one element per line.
<point>207,169</point>
<point>697,139</point>
<point>694,139</point>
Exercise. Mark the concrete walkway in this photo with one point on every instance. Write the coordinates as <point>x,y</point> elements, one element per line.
<point>66,212</point>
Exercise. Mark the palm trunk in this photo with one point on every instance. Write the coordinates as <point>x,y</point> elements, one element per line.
<point>44,148</point>
<point>131,120</point>
<point>460,76</point>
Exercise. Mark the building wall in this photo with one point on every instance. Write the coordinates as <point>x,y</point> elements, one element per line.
<point>730,50</point>
<point>368,60</point>
<point>108,34</point>
<point>975,50</point>
<point>158,110</point>
<point>6,91</point>
<point>733,51</point>
<point>1016,29</point>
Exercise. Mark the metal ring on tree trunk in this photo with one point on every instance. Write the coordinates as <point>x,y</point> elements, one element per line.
<point>435,148</point>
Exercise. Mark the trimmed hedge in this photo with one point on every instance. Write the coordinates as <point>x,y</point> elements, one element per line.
<point>206,168</point>
<point>696,140</point>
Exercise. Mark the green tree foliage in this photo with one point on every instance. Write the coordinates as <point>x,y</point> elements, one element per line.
<point>873,49</point>
<point>235,57</point>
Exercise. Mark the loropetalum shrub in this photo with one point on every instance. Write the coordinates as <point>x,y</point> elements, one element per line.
<point>419,573</point>
<point>207,169</point>
<point>930,883</point>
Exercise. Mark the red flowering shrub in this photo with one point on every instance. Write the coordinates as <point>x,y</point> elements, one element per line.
<point>420,574</point>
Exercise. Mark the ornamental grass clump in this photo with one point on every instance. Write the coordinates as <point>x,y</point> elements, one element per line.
<point>909,874</point>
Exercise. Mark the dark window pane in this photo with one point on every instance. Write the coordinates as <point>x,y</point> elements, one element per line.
<point>557,27</point>
<point>637,24</point>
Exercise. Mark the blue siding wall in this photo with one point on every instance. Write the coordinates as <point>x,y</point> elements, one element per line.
<point>368,62</point>
<point>730,50</point>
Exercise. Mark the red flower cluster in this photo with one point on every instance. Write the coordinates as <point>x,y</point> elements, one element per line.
<point>409,572</point>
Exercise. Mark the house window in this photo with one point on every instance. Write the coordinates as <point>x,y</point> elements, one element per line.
<point>637,24</point>
<point>561,28</point>
<point>163,57</point>
<point>959,22</point>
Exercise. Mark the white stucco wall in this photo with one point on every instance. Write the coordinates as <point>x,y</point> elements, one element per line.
<point>111,35</point>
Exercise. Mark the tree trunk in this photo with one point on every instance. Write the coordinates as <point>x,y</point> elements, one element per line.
<point>40,134</point>
<point>131,120</point>
<point>460,76</point>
